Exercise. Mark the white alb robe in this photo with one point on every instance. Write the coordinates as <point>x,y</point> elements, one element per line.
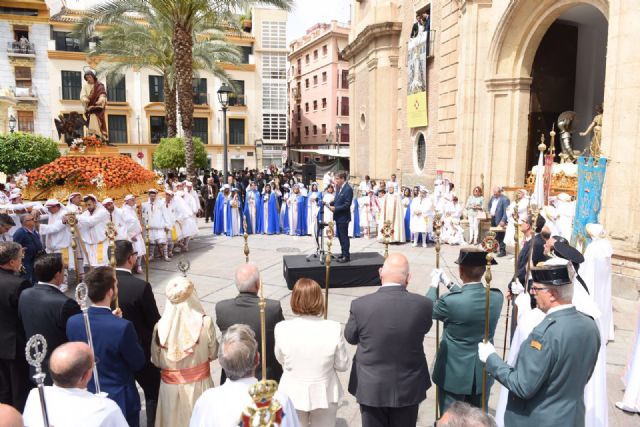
<point>419,214</point>
<point>391,210</point>
<point>92,227</point>
<point>134,229</point>
<point>72,407</point>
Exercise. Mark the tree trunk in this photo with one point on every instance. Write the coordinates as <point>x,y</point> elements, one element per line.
<point>170,107</point>
<point>183,47</point>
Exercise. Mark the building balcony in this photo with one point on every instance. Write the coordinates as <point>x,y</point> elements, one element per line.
<point>237,101</point>
<point>22,49</point>
<point>25,94</point>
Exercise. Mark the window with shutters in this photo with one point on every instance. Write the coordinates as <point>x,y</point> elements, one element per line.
<point>201,129</point>
<point>236,131</point>
<point>158,125</point>
<point>25,121</point>
<point>117,129</point>
<point>117,89</point>
<point>156,88</point>
<point>71,84</point>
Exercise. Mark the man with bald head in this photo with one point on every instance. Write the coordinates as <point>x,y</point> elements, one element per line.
<point>68,401</point>
<point>389,376</point>
<point>244,309</point>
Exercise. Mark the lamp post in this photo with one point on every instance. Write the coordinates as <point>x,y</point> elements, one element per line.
<point>338,128</point>
<point>223,97</point>
<point>12,123</point>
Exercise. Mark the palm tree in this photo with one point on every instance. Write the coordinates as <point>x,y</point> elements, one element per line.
<point>187,18</point>
<point>143,40</point>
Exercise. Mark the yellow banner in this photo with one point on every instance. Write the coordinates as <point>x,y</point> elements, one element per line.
<point>417,110</point>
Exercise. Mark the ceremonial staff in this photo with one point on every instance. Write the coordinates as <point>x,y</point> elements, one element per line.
<point>246,239</point>
<point>145,224</point>
<point>265,411</point>
<point>437,224</point>
<point>387,232</point>
<point>35,352</point>
<point>74,248</point>
<point>327,263</point>
<point>111,234</point>
<point>72,222</point>
<point>490,244</point>
<point>81,298</point>
<point>516,238</point>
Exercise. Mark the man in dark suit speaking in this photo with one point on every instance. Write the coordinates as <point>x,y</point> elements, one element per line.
<point>341,208</point>
<point>389,383</point>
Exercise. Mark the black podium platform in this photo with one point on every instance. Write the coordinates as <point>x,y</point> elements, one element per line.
<point>362,270</point>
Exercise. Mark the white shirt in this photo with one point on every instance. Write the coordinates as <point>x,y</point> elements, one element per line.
<point>72,407</point>
<point>391,284</point>
<point>223,406</point>
<point>494,206</point>
<point>56,234</point>
<point>558,308</point>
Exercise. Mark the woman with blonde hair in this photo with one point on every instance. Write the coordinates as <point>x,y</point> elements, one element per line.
<point>183,345</point>
<point>311,351</point>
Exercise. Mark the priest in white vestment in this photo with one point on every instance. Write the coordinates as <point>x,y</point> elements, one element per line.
<point>566,208</point>
<point>69,404</point>
<point>223,406</point>
<point>419,217</point>
<point>391,210</point>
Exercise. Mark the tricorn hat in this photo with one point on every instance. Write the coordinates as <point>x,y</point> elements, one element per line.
<point>473,257</point>
<point>564,250</point>
<point>551,275</point>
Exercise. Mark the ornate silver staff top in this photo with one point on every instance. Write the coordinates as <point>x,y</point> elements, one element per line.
<point>184,266</point>
<point>35,352</point>
<point>82,295</point>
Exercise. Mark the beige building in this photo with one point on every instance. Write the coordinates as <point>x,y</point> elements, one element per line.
<point>47,78</point>
<point>499,72</point>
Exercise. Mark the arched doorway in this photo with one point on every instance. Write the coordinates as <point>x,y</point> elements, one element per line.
<point>567,74</point>
<point>512,53</point>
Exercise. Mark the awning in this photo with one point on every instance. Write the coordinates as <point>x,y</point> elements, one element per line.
<point>343,152</point>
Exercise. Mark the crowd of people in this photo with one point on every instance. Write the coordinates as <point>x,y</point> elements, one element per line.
<point>563,301</point>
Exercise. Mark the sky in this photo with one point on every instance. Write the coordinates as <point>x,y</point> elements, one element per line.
<point>307,13</point>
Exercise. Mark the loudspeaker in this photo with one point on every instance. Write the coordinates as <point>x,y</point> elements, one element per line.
<point>308,174</point>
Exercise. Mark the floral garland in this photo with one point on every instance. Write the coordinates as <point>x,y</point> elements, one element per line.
<point>81,144</point>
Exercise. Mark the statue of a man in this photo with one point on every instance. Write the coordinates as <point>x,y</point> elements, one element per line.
<point>94,99</point>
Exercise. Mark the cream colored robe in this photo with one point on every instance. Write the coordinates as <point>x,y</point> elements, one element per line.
<point>176,401</point>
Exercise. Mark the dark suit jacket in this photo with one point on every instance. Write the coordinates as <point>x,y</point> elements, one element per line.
<point>244,309</point>
<point>119,354</point>
<point>389,367</point>
<point>415,29</point>
<point>30,242</point>
<point>501,210</point>
<point>138,306</point>
<point>12,339</point>
<point>45,310</point>
<point>204,192</point>
<point>342,203</point>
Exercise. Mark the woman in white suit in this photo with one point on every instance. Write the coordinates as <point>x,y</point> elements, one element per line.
<point>311,350</point>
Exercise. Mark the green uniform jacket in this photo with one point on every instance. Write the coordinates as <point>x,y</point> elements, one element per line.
<point>462,310</point>
<point>555,362</point>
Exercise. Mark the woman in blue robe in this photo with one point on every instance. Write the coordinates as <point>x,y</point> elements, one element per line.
<point>301,227</point>
<point>234,215</point>
<point>252,210</point>
<point>406,206</point>
<point>219,223</point>
<point>270,211</point>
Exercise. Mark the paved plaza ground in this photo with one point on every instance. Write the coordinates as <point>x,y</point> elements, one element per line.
<point>214,259</point>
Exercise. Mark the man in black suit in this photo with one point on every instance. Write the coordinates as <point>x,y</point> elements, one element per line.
<point>341,208</point>
<point>14,372</point>
<point>138,305</point>
<point>244,309</point>
<point>416,26</point>
<point>29,238</point>
<point>497,208</point>
<point>209,193</point>
<point>389,376</point>
<point>44,309</point>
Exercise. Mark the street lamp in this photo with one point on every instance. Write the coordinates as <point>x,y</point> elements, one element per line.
<point>12,123</point>
<point>223,97</point>
<point>338,127</point>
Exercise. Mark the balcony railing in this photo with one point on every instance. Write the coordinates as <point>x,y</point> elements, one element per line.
<point>24,92</point>
<point>21,48</point>
<point>237,101</point>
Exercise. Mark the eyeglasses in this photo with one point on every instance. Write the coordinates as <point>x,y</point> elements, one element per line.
<point>538,289</point>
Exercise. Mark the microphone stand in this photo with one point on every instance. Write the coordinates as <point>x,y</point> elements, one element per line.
<point>81,299</point>
<point>35,352</point>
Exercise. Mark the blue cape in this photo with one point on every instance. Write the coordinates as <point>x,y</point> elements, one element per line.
<point>229,223</point>
<point>273,227</point>
<point>407,222</point>
<point>218,218</point>
<point>301,227</point>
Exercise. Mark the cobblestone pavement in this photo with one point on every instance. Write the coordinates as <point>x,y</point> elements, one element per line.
<point>213,260</point>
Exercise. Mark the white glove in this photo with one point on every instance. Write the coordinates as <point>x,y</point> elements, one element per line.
<point>516,288</point>
<point>436,277</point>
<point>485,350</point>
<point>444,279</point>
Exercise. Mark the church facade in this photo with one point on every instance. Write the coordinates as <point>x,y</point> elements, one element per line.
<point>498,74</point>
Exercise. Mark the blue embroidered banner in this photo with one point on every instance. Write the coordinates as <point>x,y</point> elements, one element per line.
<point>588,203</point>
